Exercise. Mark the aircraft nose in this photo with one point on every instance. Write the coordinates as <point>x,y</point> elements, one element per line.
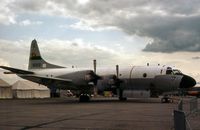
<point>187,82</point>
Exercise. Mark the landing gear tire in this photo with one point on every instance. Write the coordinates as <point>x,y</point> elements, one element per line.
<point>122,98</point>
<point>84,98</point>
<point>54,95</point>
<point>166,100</point>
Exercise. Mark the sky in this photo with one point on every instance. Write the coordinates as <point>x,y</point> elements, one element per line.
<point>128,32</point>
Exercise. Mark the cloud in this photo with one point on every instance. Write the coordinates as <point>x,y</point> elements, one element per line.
<point>172,25</point>
<point>7,16</point>
<point>57,51</point>
<point>196,58</point>
<point>83,1</point>
<point>82,25</point>
<point>179,34</point>
<point>77,51</point>
<point>27,22</point>
<point>62,52</point>
<point>8,78</point>
<point>15,52</point>
<point>3,62</point>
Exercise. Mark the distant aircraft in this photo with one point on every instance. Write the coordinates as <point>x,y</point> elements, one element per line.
<point>127,81</point>
<point>195,91</point>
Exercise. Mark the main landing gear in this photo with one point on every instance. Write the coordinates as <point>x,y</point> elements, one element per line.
<point>166,99</point>
<point>121,98</point>
<point>84,98</point>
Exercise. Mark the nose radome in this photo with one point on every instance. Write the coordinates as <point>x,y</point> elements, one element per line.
<point>187,82</point>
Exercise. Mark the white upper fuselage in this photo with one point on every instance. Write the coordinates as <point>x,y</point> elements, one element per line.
<point>124,72</point>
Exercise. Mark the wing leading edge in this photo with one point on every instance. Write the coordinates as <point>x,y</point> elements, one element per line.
<point>50,81</point>
<point>16,71</point>
<point>29,75</point>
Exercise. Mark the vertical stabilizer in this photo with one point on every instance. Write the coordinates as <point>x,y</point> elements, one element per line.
<point>36,61</point>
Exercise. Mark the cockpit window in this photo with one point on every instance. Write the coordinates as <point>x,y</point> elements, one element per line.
<point>177,72</point>
<point>169,71</point>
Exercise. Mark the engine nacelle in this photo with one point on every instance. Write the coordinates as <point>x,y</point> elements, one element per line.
<point>109,83</point>
<point>80,78</point>
<point>106,83</point>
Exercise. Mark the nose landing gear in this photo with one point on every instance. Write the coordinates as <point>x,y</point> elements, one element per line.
<point>84,98</point>
<point>166,99</point>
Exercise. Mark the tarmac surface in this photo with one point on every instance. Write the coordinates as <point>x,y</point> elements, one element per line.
<point>99,114</point>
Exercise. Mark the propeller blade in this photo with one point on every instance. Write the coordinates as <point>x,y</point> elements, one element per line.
<point>95,65</point>
<point>117,70</point>
<point>92,77</point>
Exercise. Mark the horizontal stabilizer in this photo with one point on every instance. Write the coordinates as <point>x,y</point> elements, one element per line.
<point>16,71</point>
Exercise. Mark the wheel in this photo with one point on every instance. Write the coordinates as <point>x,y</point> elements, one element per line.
<point>122,98</point>
<point>166,100</point>
<point>84,98</point>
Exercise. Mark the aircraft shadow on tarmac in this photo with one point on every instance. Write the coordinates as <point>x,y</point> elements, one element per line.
<point>93,101</point>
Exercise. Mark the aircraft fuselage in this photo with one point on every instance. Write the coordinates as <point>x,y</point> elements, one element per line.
<point>145,78</point>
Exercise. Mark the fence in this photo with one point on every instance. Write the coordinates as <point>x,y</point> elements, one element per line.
<point>183,112</point>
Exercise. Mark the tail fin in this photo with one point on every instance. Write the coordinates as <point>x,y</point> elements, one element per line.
<point>36,61</point>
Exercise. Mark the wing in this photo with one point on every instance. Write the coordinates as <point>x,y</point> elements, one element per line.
<point>49,81</point>
<point>16,71</point>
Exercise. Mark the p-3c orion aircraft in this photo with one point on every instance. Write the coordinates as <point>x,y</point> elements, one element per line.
<point>126,81</point>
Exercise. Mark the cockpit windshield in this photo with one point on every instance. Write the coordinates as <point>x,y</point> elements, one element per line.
<point>173,71</point>
<point>177,72</point>
<point>169,71</point>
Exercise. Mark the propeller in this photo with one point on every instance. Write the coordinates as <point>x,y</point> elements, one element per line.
<point>95,66</point>
<point>114,80</point>
<point>92,76</point>
<point>117,84</point>
<point>117,70</point>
